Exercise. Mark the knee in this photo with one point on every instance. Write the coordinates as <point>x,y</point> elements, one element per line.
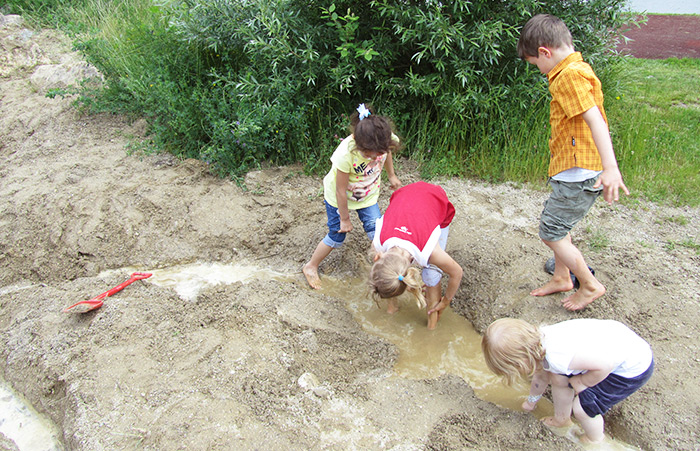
<point>370,227</point>
<point>334,241</point>
<point>559,381</point>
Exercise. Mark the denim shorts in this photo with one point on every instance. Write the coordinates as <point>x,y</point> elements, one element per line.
<point>367,215</point>
<point>600,398</point>
<point>566,206</point>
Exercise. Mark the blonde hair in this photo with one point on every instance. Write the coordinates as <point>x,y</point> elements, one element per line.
<point>512,349</point>
<point>384,278</point>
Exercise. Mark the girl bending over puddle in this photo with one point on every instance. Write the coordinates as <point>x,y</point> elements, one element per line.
<point>591,364</point>
<point>414,228</point>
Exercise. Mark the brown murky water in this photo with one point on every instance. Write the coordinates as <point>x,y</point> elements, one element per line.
<point>454,347</point>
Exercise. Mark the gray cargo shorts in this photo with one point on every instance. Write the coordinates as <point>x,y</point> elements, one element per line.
<point>566,206</point>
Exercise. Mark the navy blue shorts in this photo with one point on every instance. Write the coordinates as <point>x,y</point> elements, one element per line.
<point>600,398</point>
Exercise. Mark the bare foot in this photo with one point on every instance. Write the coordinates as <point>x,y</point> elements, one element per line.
<point>555,422</point>
<point>587,441</point>
<point>555,285</point>
<point>582,297</point>
<point>312,277</point>
<point>392,306</point>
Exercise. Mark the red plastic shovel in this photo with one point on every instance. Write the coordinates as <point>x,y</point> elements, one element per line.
<point>97,301</point>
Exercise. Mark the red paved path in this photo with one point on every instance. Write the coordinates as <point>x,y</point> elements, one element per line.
<point>665,36</point>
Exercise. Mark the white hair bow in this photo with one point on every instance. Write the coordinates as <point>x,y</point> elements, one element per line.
<point>363,111</point>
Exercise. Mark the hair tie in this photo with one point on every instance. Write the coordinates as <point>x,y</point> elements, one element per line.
<point>400,278</point>
<point>363,111</point>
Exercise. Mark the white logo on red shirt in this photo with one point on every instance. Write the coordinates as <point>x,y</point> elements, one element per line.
<point>403,229</point>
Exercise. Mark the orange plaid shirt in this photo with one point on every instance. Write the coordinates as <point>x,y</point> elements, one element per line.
<point>575,89</point>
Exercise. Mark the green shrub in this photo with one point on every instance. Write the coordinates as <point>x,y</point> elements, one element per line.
<point>242,82</point>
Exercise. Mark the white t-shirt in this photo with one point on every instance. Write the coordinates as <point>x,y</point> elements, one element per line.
<point>610,339</point>
<point>576,174</point>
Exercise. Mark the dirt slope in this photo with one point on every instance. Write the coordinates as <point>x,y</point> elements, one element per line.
<point>153,371</point>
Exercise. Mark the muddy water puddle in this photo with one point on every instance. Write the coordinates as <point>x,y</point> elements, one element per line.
<point>189,280</point>
<point>19,422</point>
<point>454,347</point>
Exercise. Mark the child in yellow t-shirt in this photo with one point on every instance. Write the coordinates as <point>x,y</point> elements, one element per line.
<point>353,183</point>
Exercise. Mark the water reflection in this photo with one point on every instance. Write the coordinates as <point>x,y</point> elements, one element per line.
<point>23,425</point>
<point>454,347</point>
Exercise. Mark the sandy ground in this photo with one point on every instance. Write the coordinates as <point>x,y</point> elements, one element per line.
<point>150,370</point>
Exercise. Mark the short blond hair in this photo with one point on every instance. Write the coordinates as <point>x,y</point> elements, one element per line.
<point>384,279</point>
<point>512,349</point>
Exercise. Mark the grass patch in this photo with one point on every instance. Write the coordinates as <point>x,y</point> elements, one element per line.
<point>654,116</point>
<point>645,244</point>
<point>688,243</point>
<point>679,220</point>
<point>597,239</point>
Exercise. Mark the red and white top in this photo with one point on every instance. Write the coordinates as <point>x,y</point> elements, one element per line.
<point>413,220</point>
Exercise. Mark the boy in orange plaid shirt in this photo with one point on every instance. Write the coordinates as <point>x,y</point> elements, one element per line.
<point>582,163</point>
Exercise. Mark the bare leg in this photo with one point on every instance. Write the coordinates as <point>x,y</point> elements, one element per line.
<point>563,398</point>
<point>593,427</point>
<point>310,269</point>
<point>561,279</point>
<point>590,288</point>
<point>568,257</point>
<point>392,306</point>
<point>432,297</point>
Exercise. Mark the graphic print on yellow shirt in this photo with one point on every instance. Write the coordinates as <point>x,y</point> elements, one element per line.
<point>364,175</point>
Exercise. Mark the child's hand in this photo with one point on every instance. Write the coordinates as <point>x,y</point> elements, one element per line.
<point>394,182</point>
<point>345,226</point>
<point>576,382</point>
<point>444,302</point>
<point>611,180</point>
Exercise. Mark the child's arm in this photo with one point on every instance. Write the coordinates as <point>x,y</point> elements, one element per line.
<point>596,369</point>
<point>389,165</point>
<point>342,180</point>
<point>611,179</point>
<point>540,380</point>
<point>442,260</point>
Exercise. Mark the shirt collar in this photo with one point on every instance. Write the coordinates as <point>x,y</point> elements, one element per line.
<point>572,58</point>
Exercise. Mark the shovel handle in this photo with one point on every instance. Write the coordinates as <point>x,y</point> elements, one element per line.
<point>96,302</point>
<point>134,277</point>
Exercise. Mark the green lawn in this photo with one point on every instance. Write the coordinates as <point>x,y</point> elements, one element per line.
<point>654,115</point>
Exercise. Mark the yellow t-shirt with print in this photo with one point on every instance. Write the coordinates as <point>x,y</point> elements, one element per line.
<point>575,89</point>
<point>364,175</point>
